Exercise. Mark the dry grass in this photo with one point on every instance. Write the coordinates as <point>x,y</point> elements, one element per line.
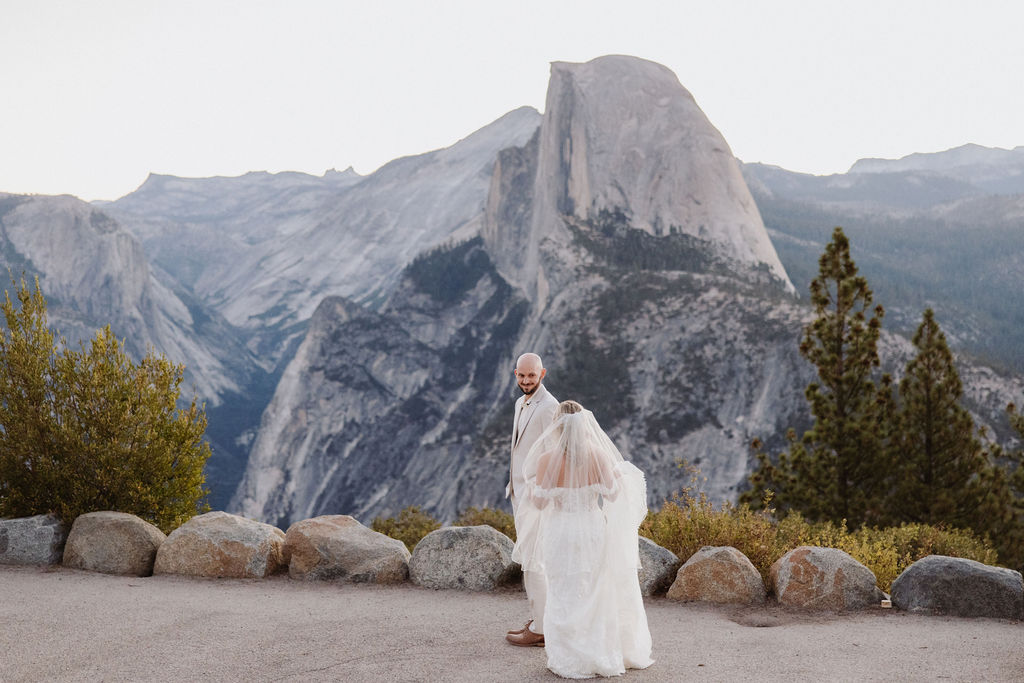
<point>409,527</point>
<point>690,521</point>
<point>499,519</point>
<point>412,524</point>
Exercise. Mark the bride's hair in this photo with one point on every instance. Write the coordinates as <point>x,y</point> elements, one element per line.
<point>569,408</point>
<point>574,467</point>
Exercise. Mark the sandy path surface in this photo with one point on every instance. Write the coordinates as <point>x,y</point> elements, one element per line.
<point>65,625</point>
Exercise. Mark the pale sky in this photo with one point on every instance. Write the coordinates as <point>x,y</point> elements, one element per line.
<point>96,94</point>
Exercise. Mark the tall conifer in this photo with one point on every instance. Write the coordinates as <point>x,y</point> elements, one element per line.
<point>939,461</point>
<point>836,470</point>
<point>1006,482</point>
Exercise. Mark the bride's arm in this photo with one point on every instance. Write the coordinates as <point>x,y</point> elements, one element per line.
<point>608,477</point>
<point>542,468</point>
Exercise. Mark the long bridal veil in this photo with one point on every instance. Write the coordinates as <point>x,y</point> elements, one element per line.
<point>577,523</point>
<point>570,461</point>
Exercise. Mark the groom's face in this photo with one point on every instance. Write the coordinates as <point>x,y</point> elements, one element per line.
<point>529,377</point>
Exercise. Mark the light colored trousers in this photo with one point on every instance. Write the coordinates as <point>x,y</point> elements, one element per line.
<point>536,585</point>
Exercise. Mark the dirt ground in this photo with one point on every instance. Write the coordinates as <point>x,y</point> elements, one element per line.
<point>65,625</point>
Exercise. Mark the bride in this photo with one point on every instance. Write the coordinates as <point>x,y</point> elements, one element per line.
<point>578,524</point>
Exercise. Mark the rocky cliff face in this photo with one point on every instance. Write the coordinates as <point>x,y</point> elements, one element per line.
<point>94,272</point>
<point>264,250</point>
<point>412,405</point>
<point>621,137</point>
<point>622,244</point>
<point>657,301</point>
<point>261,251</point>
<point>384,407</point>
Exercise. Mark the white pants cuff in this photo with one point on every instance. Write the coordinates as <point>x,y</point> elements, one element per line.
<point>537,592</point>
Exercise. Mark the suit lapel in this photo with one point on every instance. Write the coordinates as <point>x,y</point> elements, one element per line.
<point>515,421</point>
<point>527,413</point>
<point>524,420</point>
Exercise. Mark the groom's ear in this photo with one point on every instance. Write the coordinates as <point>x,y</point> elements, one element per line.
<point>543,371</point>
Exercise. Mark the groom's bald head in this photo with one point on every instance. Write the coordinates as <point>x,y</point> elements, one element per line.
<point>529,372</point>
<point>529,360</point>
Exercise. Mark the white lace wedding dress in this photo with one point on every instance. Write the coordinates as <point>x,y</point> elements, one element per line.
<point>578,524</point>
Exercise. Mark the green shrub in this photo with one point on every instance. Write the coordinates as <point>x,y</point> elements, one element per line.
<point>409,527</point>
<point>499,519</point>
<point>89,430</point>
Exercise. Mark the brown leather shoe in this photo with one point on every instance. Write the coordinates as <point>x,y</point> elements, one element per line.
<point>526,639</point>
<point>520,630</point>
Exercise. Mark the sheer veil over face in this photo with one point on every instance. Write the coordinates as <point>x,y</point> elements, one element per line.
<point>574,467</point>
<point>571,454</point>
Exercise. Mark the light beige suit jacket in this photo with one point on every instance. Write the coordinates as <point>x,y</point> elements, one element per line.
<point>532,417</point>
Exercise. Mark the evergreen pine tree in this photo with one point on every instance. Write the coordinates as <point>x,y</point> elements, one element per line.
<point>1004,485</point>
<point>837,470</point>
<point>1016,458</point>
<point>1016,476</point>
<point>940,464</point>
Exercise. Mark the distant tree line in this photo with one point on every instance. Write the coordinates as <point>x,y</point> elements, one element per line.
<point>448,271</point>
<point>878,454</point>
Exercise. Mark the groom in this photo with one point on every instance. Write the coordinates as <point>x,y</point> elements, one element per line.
<point>535,411</point>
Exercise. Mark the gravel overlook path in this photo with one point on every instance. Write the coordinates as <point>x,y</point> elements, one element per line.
<point>58,624</point>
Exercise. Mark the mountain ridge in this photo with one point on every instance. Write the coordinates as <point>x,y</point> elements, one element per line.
<point>589,233</point>
<point>683,348</point>
<point>559,268</point>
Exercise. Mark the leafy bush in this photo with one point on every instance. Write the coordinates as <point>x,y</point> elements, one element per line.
<point>409,527</point>
<point>89,430</point>
<point>499,519</point>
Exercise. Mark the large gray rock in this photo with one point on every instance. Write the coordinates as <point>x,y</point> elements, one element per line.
<point>719,574</point>
<point>32,540</point>
<point>823,578</point>
<point>959,587</point>
<point>477,558</point>
<point>657,567</point>
<point>222,545</point>
<point>337,547</point>
<point>113,543</point>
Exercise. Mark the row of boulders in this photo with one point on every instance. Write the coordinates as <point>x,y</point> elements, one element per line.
<point>339,548</point>
<point>807,577</point>
<point>827,578</point>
